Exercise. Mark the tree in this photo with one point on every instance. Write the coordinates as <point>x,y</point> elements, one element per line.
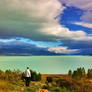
<point>38,77</point>
<point>89,74</point>
<point>70,73</point>
<point>79,73</point>
<point>35,76</point>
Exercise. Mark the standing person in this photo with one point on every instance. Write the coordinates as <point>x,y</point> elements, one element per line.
<point>28,76</point>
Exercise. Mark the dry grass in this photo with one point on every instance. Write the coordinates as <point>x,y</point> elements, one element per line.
<point>5,86</point>
<point>54,76</point>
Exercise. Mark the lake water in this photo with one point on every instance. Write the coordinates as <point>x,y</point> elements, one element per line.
<point>45,64</point>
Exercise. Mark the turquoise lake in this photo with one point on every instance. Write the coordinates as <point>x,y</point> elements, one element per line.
<point>45,64</point>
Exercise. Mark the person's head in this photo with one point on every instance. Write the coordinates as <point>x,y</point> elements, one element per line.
<point>27,67</point>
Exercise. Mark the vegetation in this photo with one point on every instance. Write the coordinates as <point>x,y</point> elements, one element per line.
<point>75,81</point>
<point>70,73</point>
<point>49,79</point>
<point>89,74</point>
<point>14,81</point>
<point>79,73</point>
<point>17,75</point>
<point>34,76</point>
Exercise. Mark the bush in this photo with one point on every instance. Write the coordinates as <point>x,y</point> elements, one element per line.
<point>77,74</point>
<point>45,87</point>
<point>89,74</point>
<point>35,76</point>
<point>63,83</point>
<point>70,73</point>
<point>49,79</point>
<point>17,75</point>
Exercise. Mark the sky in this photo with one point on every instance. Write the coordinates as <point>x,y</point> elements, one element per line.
<point>45,27</point>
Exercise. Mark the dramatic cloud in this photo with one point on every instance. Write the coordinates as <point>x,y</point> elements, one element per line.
<point>37,24</point>
<point>37,20</point>
<point>21,46</point>
<point>71,44</point>
<point>83,24</point>
<point>85,5</point>
<point>28,42</point>
<point>63,50</point>
<point>86,17</point>
<point>25,18</point>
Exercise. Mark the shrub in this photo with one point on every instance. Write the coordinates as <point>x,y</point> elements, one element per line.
<point>49,79</point>
<point>70,73</point>
<point>45,87</point>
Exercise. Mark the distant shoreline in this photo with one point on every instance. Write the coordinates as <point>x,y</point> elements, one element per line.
<point>39,55</point>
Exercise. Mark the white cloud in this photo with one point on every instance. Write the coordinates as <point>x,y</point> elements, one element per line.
<point>37,9</point>
<point>85,5</point>
<point>63,33</point>
<point>63,50</point>
<point>82,4</point>
<point>38,20</point>
<point>83,24</point>
<point>87,17</point>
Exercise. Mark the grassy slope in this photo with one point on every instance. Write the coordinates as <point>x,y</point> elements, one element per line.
<point>6,86</point>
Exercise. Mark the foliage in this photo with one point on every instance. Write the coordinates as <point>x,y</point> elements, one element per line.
<point>45,87</point>
<point>77,74</point>
<point>63,83</point>
<point>10,75</point>
<point>70,73</point>
<point>49,79</point>
<point>76,81</point>
<point>18,75</point>
<point>35,76</point>
<point>89,74</point>
<point>80,73</point>
<point>10,81</point>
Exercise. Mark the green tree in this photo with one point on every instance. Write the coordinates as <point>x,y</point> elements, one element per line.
<point>79,73</point>
<point>89,73</point>
<point>35,76</point>
<point>70,73</point>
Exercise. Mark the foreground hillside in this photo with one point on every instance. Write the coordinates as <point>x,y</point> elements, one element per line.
<point>6,86</point>
<point>76,81</point>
